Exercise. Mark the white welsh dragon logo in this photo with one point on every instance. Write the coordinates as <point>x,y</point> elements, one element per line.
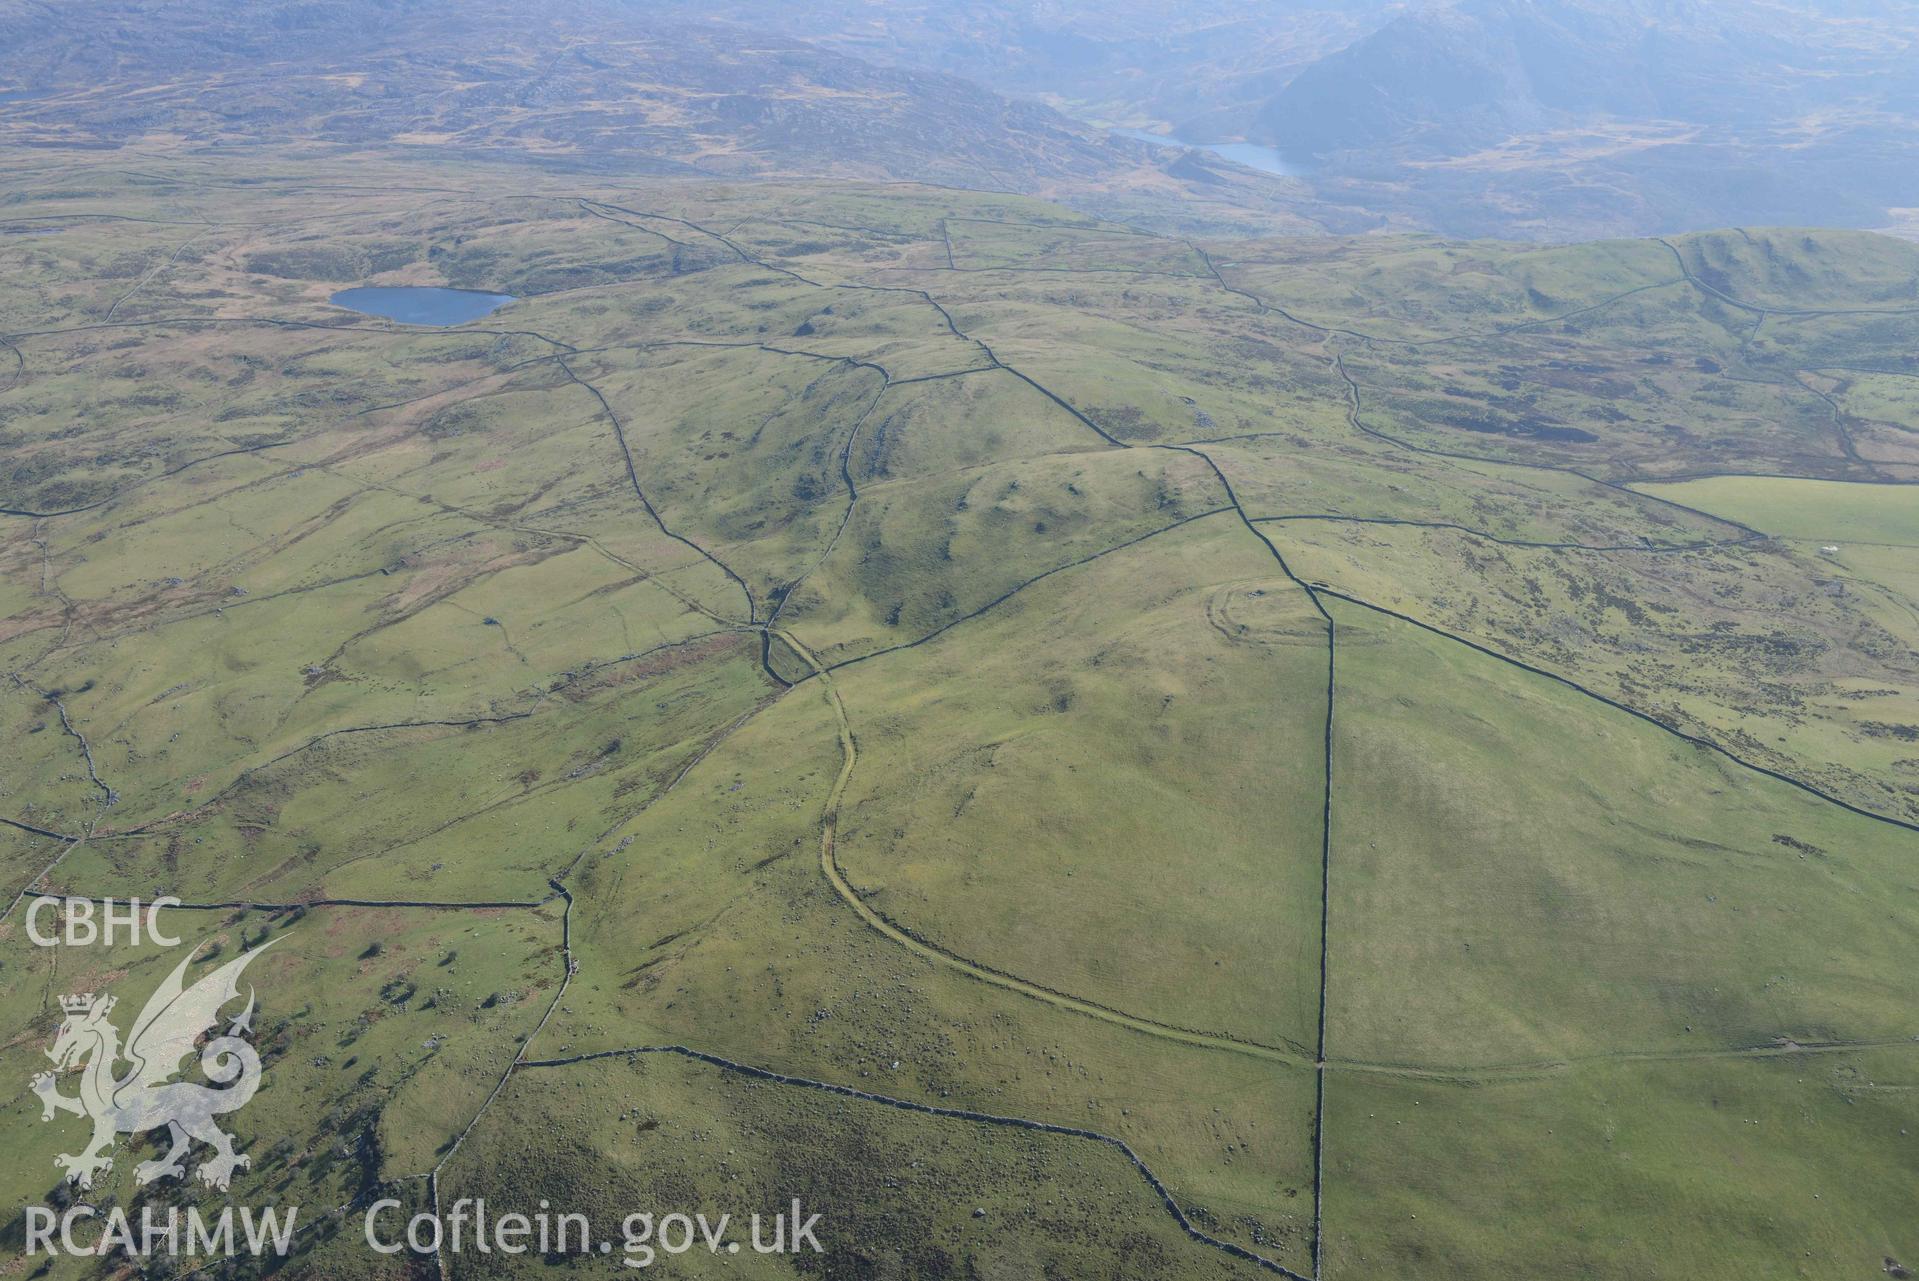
<point>145,1097</point>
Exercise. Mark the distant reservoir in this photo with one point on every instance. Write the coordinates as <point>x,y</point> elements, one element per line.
<point>420,304</point>
<point>1252,155</point>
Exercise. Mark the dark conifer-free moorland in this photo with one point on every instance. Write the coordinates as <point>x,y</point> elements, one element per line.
<point>760,606</point>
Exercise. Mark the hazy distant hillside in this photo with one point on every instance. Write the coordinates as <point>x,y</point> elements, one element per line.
<point>1206,66</point>
<point>1542,119</point>
<point>1454,78</point>
<point>585,84</point>
<point>1577,117</point>
<point>1555,119</point>
<point>495,76</point>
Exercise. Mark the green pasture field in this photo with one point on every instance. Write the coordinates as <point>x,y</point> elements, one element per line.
<point>1792,1166</point>
<point>1522,877</point>
<point>1806,510</point>
<point>879,635</point>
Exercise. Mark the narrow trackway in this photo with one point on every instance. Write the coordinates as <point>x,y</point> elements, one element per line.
<point>108,798</point>
<point>829,867</point>
<point>1382,340</point>
<point>1498,1073</point>
<point>519,1055</point>
<point>68,845</point>
<point>846,516</point>
<point>547,688</point>
<point>115,495</point>
<point>1355,411</point>
<point>19,365</point>
<point>1332,331</point>
<point>1355,418</point>
<point>1706,545</point>
<point>1841,431</point>
<point>633,476</point>
<point>147,279</point>
<point>1762,311</point>
<point>294,905</point>
<point>141,829</point>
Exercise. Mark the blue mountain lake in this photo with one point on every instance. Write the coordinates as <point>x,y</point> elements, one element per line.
<point>1252,155</point>
<point>420,304</point>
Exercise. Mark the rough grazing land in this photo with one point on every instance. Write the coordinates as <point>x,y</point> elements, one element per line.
<point>1076,752</point>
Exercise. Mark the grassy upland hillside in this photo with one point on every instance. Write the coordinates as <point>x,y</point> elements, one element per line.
<point>1074,751</point>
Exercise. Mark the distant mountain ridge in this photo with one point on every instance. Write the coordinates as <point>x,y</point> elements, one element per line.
<point>1552,119</point>
<point>596,85</point>
<point>1573,118</point>
<point>494,76</point>
<point>1535,119</point>
<point>1454,78</point>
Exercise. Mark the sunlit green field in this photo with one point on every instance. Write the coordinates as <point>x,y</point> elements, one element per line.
<point>1361,725</point>
<point>1807,510</point>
